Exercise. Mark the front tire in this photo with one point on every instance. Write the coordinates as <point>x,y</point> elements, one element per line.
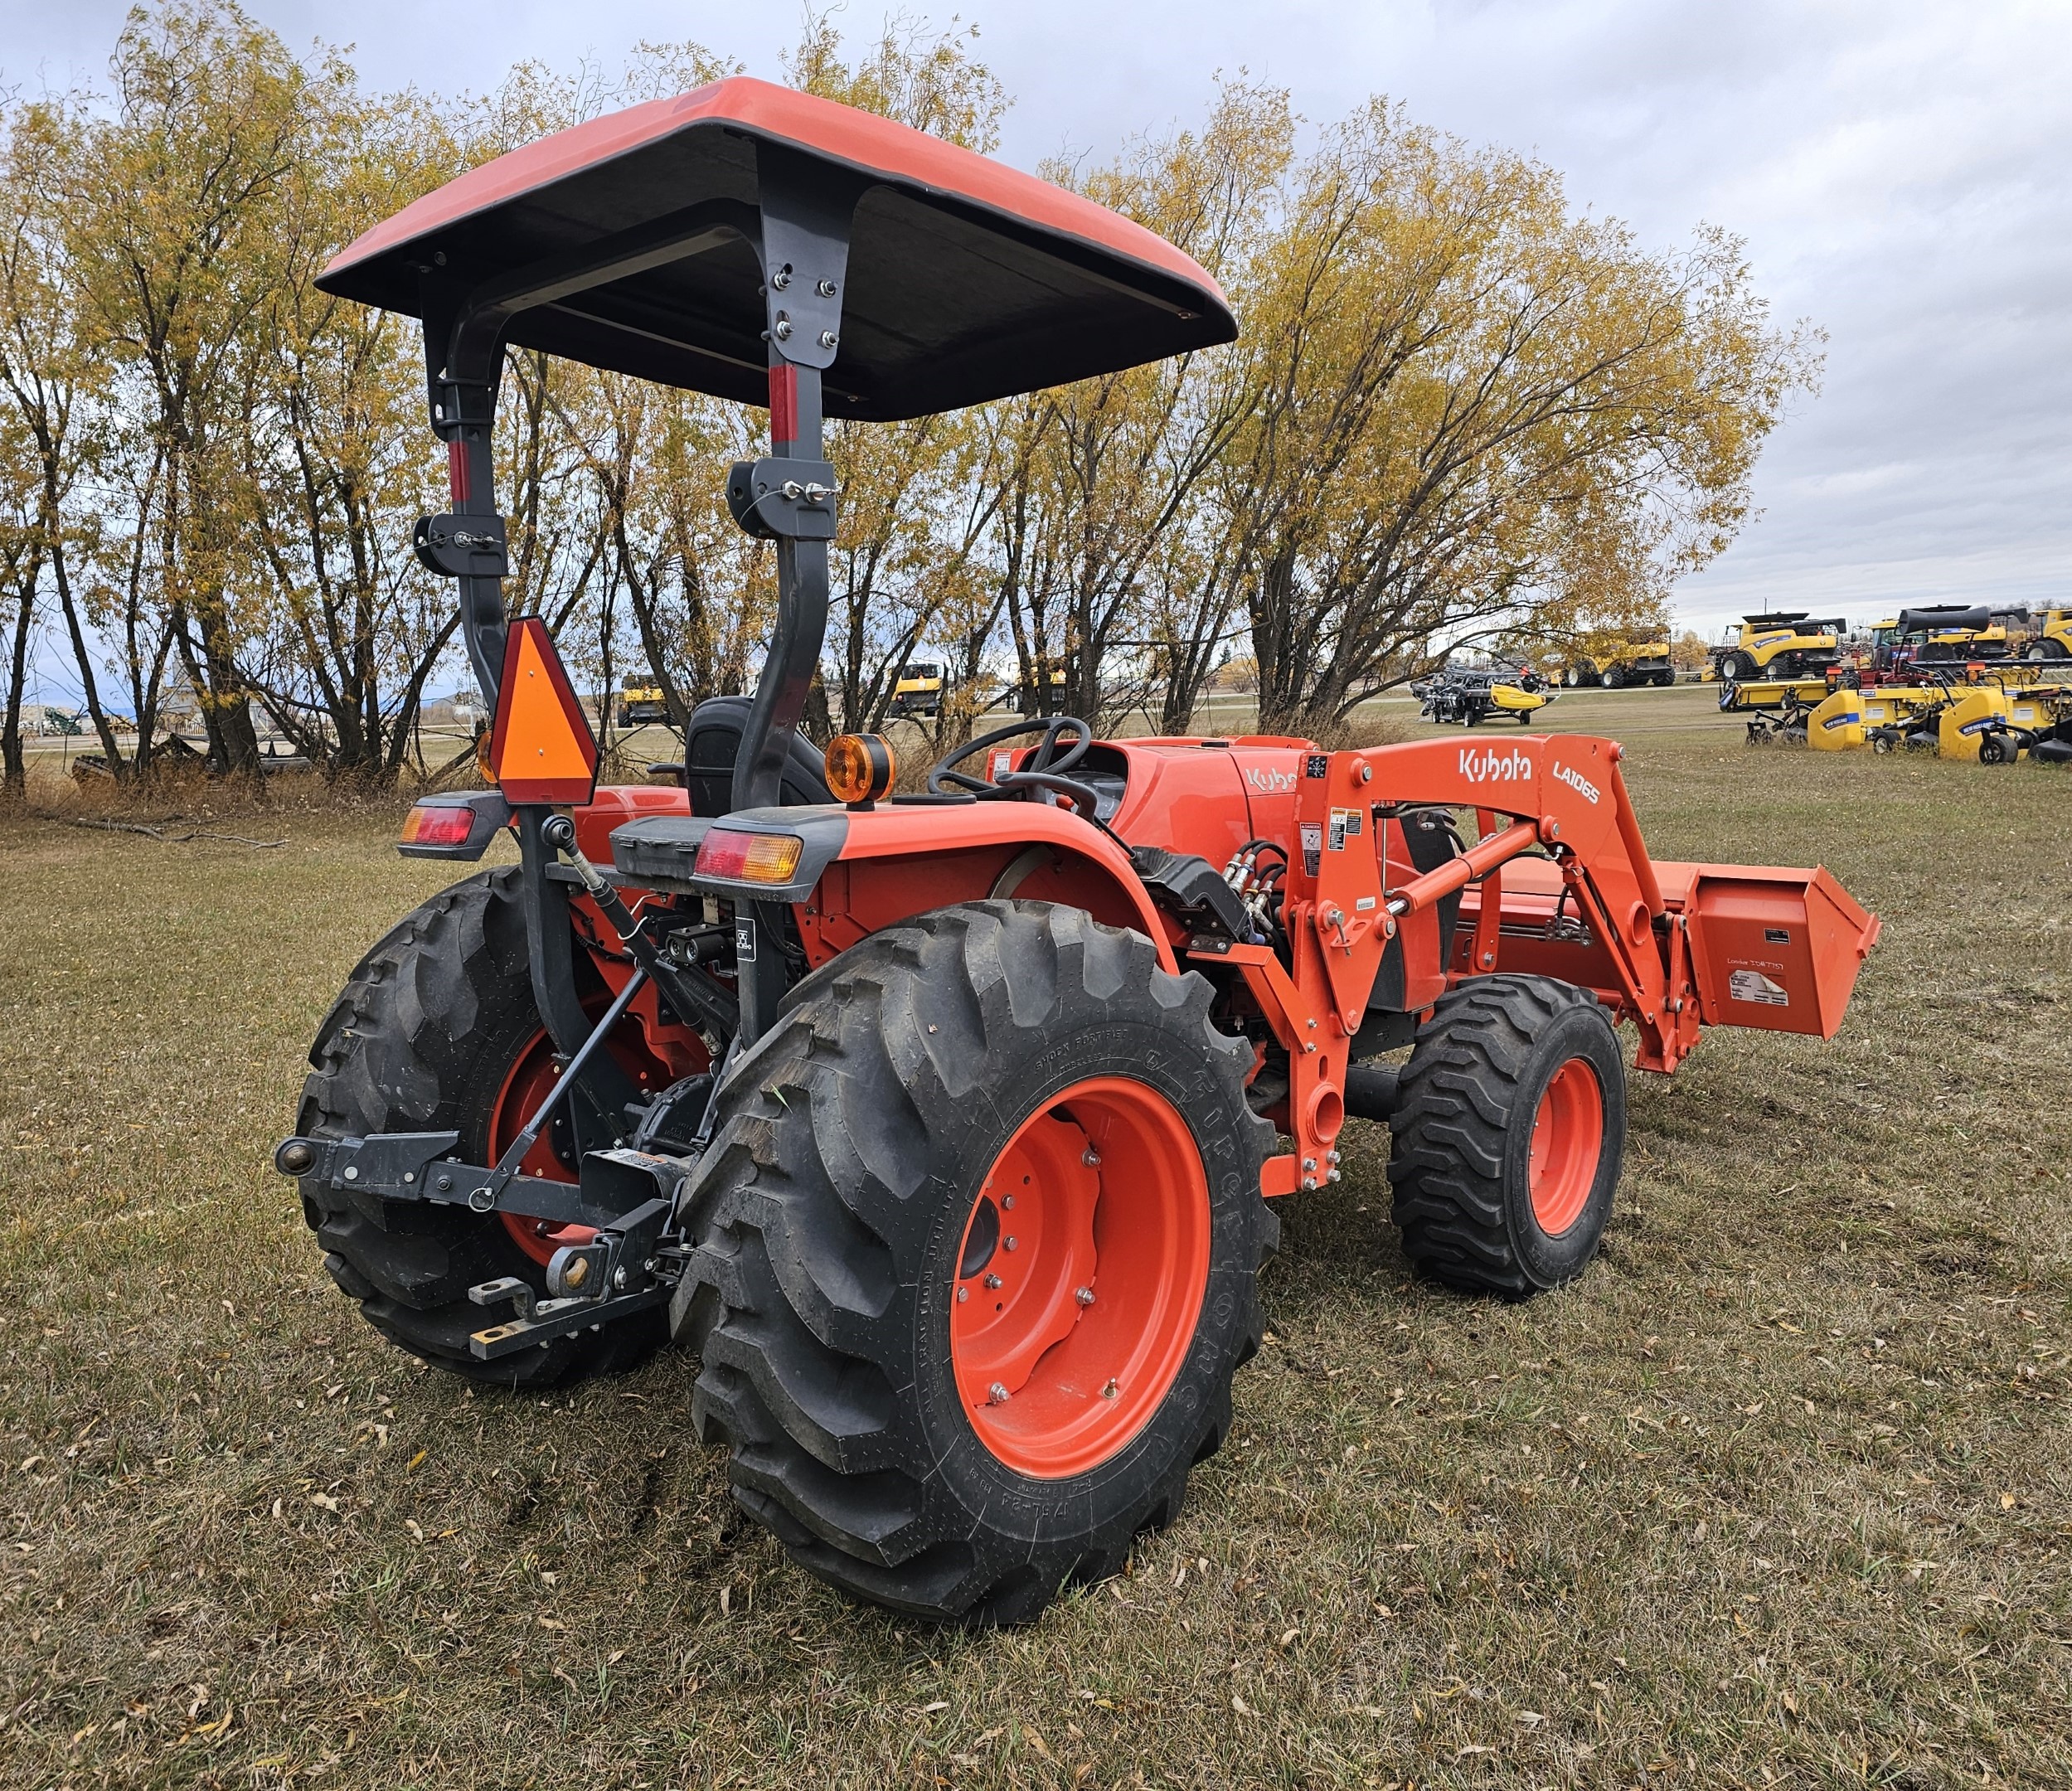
<point>1509,1130</point>
<point>857,1213</point>
<point>431,1033</point>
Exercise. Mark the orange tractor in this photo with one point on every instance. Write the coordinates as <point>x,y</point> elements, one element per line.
<point>945,1127</point>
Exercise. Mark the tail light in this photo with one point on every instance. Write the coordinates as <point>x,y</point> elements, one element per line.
<point>740,857</point>
<point>454,827</point>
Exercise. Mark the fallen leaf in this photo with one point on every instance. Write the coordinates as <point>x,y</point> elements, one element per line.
<point>1240,1707</point>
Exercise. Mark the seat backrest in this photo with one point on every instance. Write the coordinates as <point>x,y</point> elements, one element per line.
<point>709,749</point>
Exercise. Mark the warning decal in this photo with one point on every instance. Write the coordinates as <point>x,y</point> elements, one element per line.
<point>1753,986</point>
<point>1313,847</point>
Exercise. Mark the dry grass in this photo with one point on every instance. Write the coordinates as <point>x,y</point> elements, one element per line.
<point>1779,1493</point>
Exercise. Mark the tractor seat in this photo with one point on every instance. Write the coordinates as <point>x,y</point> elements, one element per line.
<point>714,740</point>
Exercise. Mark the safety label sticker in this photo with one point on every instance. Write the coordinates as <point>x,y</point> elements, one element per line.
<point>1753,986</point>
<point>1343,821</point>
<point>1313,846</point>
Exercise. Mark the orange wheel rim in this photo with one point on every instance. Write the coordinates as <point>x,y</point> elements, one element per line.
<point>1080,1278</point>
<point>1568,1140</point>
<point>532,1078</point>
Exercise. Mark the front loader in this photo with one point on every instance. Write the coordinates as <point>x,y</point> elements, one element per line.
<point>946,1128</point>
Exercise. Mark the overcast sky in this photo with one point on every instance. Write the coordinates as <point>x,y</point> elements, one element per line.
<point>1899,170</point>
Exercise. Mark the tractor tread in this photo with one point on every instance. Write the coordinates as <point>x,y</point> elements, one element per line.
<point>384,1061</point>
<point>1458,1100</point>
<point>812,1212</point>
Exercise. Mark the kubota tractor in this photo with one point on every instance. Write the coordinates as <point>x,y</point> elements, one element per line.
<point>945,1129</point>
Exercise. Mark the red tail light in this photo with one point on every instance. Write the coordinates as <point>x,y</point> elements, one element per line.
<point>437,827</point>
<point>749,857</point>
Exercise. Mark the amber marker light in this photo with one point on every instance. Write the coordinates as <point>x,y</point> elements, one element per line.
<point>860,768</point>
<point>748,857</point>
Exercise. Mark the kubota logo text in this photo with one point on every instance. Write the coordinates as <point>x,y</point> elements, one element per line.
<point>1491,766</point>
<point>1577,782</point>
<point>1272,783</point>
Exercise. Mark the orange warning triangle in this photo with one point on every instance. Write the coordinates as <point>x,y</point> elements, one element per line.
<point>541,748</point>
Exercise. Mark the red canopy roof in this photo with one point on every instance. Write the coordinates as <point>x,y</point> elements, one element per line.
<point>967,279</point>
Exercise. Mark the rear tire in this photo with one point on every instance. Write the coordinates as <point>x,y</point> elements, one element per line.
<point>1509,1129</point>
<point>423,1039</point>
<point>842,1210</point>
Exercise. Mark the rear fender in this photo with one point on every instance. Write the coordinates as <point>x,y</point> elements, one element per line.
<point>905,859</point>
<point>618,803</point>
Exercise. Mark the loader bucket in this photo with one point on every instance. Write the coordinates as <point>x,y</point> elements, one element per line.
<point>1775,949</point>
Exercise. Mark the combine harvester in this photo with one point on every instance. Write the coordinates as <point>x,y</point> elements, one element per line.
<point>1785,647</point>
<point>1616,660</point>
<point>946,1128</point>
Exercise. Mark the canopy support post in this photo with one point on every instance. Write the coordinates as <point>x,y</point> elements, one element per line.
<point>805,211</point>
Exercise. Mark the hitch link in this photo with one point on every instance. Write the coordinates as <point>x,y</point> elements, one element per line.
<point>591,1284</point>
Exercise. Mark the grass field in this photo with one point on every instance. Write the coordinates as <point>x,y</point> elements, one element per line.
<point>1777,1494</point>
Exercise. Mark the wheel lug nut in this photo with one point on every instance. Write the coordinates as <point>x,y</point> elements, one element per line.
<point>1083,1295</point>
<point>1007,1243</point>
<point>964,1293</point>
<point>1110,1390</point>
<point>1007,1205</point>
<point>992,1280</point>
<point>1092,1158</point>
<point>997,1394</point>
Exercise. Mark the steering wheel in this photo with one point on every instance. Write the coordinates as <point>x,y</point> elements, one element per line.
<point>1042,773</point>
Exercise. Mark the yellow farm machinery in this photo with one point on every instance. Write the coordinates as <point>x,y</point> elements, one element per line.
<point>1637,656</point>
<point>1986,718</point>
<point>1784,645</point>
<point>1469,696</point>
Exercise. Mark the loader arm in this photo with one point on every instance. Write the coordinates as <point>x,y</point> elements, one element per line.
<point>1365,926</point>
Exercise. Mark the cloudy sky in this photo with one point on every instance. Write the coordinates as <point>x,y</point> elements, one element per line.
<point>1899,170</point>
